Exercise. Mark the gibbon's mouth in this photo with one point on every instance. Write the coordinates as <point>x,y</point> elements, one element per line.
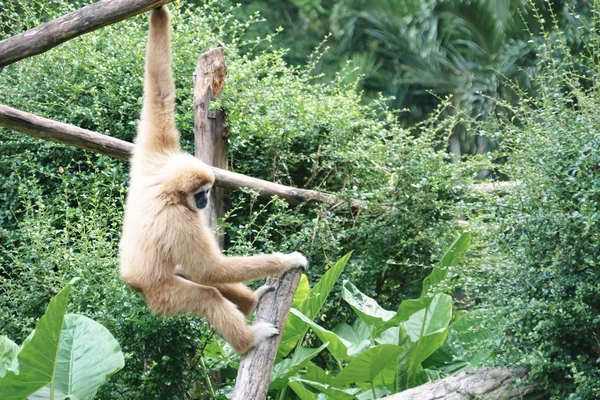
<point>201,199</point>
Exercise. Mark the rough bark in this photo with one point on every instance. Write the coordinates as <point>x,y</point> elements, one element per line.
<point>59,132</point>
<point>488,383</point>
<point>77,23</point>
<point>256,366</point>
<point>210,133</point>
<point>82,138</point>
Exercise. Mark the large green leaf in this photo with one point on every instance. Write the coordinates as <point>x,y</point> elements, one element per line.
<point>65,357</point>
<point>330,391</point>
<point>338,347</point>
<point>365,307</point>
<point>8,356</point>
<point>88,354</point>
<point>315,300</point>
<point>295,329</point>
<point>463,347</point>
<point>421,335</point>
<point>357,335</point>
<point>452,257</point>
<point>368,365</point>
<point>302,291</point>
<point>37,358</point>
<point>288,367</point>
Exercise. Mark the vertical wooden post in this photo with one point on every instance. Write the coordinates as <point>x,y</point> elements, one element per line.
<point>210,132</point>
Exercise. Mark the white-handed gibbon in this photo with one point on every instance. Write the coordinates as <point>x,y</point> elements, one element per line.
<point>166,251</point>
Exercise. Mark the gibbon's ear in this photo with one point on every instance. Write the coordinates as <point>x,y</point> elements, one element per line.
<point>186,175</point>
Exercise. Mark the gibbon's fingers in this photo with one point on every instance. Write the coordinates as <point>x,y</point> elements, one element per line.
<point>157,131</point>
<point>179,295</point>
<point>294,259</point>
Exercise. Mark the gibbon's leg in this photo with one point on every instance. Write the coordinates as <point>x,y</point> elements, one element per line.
<point>242,296</point>
<point>241,269</point>
<point>178,295</point>
<point>238,293</point>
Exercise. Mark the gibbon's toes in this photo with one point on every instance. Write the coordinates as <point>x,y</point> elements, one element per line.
<point>262,331</point>
<point>261,291</point>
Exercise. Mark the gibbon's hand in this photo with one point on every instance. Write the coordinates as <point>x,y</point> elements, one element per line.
<point>293,260</point>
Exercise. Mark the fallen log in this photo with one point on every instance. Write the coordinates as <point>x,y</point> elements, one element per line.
<point>60,132</point>
<point>487,383</point>
<point>66,27</point>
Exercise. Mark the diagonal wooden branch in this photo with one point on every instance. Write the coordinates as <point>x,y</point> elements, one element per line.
<point>59,132</point>
<point>77,23</point>
<point>256,366</point>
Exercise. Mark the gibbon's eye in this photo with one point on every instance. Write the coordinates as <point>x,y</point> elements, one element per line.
<point>201,199</point>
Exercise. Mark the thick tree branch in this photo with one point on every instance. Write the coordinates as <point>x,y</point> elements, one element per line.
<point>256,366</point>
<point>59,132</point>
<point>486,383</point>
<point>77,23</point>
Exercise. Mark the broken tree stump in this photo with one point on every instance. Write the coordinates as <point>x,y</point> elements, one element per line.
<point>210,133</point>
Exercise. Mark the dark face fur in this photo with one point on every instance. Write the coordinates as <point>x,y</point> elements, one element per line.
<point>201,198</point>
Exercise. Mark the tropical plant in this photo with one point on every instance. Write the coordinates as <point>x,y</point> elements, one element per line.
<point>66,356</point>
<point>382,352</point>
<point>469,50</point>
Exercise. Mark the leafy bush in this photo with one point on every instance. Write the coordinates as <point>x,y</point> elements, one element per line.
<point>60,207</point>
<point>542,270</point>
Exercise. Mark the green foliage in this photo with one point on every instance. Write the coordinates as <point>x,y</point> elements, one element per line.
<point>386,352</point>
<point>541,273</point>
<point>61,208</point>
<point>65,356</point>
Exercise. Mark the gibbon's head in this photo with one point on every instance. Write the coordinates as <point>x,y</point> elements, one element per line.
<point>188,182</point>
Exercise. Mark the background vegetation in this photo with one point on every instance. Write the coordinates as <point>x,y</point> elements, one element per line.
<point>306,118</point>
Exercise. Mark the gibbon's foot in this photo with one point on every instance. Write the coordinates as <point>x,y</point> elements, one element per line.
<point>262,331</point>
<point>261,291</point>
<point>294,259</point>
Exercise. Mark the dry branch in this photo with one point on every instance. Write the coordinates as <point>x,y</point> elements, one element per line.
<point>256,366</point>
<point>59,132</point>
<point>487,383</point>
<point>77,23</point>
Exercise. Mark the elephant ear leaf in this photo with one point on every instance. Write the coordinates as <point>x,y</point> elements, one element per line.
<point>67,356</point>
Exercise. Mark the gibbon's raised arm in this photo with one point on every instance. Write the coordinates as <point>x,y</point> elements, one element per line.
<point>166,251</point>
<point>157,131</point>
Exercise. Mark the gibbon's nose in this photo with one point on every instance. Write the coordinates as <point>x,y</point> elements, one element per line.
<point>201,199</point>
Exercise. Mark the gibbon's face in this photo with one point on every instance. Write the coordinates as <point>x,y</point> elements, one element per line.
<point>200,198</point>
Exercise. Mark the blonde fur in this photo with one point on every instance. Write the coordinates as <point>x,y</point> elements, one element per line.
<point>167,252</point>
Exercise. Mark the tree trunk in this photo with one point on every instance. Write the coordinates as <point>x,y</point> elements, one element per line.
<point>210,134</point>
<point>487,383</point>
<point>77,23</point>
<point>256,366</point>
